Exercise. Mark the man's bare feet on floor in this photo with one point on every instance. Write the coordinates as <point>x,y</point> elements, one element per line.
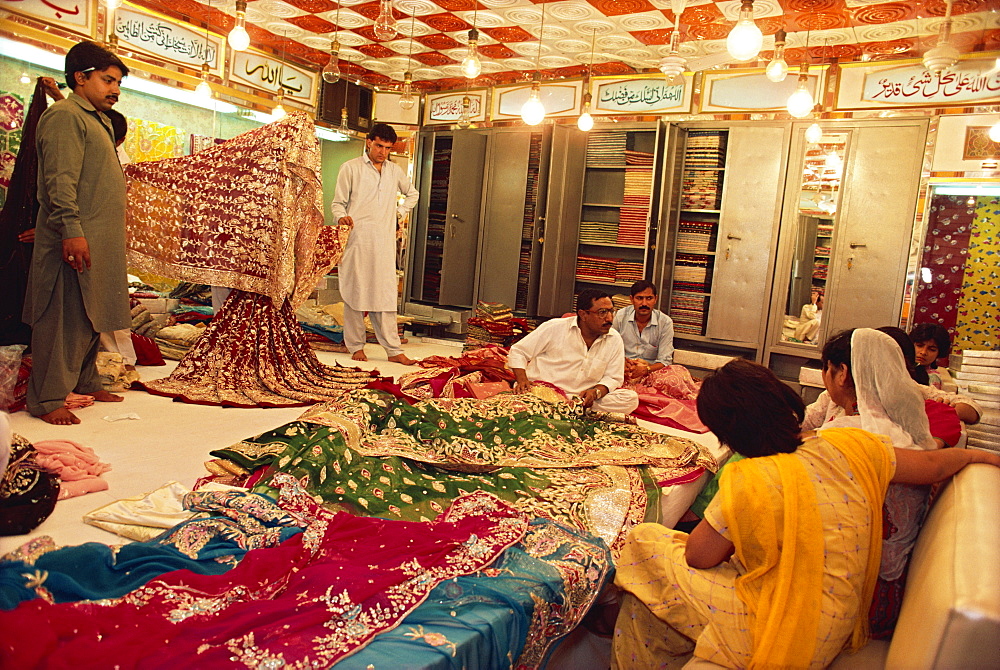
<point>105,396</point>
<point>359,355</point>
<point>401,358</point>
<point>60,417</point>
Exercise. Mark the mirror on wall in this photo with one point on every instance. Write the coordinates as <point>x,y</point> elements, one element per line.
<point>818,198</point>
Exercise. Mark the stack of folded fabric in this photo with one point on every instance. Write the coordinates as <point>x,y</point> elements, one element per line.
<point>598,232</point>
<point>606,149</point>
<point>695,236</point>
<point>638,191</point>
<point>595,268</point>
<point>702,179</point>
<point>977,374</point>
<point>492,324</point>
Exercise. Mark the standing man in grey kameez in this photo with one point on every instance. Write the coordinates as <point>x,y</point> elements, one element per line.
<point>77,286</point>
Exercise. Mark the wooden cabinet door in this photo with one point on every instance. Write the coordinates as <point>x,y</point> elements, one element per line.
<point>748,224</point>
<point>461,237</point>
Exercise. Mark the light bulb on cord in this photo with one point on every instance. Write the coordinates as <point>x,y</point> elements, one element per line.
<point>203,90</point>
<point>471,65</point>
<point>279,110</point>
<point>239,38</point>
<point>407,100</point>
<point>745,39</point>
<point>113,4</point>
<point>385,24</point>
<point>814,134</point>
<point>585,122</point>
<point>777,69</point>
<point>994,133</point>
<point>25,79</point>
<point>463,120</point>
<point>331,71</point>
<point>533,111</point>
<point>801,103</point>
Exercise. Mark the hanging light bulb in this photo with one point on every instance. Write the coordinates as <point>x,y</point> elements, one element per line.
<point>407,100</point>
<point>345,130</point>
<point>745,39</point>
<point>331,71</point>
<point>25,78</point>
<point>814,134</point>
<point>385,24</point>
<point>113,4</point>
<point>533,111</point>
<point>801,103</point>
<point>203,90</point>
<point>471,65</point>
<point>777,69</point>
<point>239,38</point>
<point>994,133</point>
<point>464,119</point>
<point>279,110</point>
<point>585,122</point>
<point>944,55</point>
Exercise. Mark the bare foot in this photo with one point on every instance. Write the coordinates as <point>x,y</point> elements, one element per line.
<point>60,417</point>
<point>401,358</point>
<point>359,355</point>
<point>404,340</point>
<point>105,396</point>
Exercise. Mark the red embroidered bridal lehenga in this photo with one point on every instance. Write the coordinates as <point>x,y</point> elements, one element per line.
<point>245,214</point>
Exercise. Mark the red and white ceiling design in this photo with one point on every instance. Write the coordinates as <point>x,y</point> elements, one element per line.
<point>629,35</point>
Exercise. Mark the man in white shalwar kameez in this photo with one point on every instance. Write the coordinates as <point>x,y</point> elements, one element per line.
<point>366,198</point>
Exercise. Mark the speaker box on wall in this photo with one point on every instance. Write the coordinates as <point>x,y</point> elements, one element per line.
<point>342,94</point>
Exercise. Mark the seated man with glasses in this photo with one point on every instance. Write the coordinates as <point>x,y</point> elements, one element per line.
<point>580,354</point>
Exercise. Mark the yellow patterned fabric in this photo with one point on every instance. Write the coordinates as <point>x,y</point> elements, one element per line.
<point>150,141</point>
<point>979,307</point>
<point>807,531</point>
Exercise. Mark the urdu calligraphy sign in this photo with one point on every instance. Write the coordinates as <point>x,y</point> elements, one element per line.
<point>641,95</point>
<point>167,40</point>
<point>269,74</point>
<point>970,81</point>
<point>449,108</point>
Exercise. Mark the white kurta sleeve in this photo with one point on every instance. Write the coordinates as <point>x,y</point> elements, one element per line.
<point>342,195</point>
<point>410,194</point>
<point>665,345</point>
<point>614,371</point>
<point>529,346</point>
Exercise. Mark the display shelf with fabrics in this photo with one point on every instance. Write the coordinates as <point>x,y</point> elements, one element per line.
<point>618,195</point>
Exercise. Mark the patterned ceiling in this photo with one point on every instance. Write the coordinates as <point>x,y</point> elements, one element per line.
<point>630,35</point>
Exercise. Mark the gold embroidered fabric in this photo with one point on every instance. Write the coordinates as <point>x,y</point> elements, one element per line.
<point>245,214</point>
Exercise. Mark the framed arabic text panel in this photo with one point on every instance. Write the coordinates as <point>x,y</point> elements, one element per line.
<point>640,95</point>
<point>447,107</point>
<point>79,16</point>
<point>163,38</point>
<point>260,71</point>
<point>908,84</point>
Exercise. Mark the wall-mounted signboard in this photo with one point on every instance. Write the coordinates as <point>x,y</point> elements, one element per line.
<point>447,107</point>
<point>266,73</point>
<point>640,95</point>
<point>908,84</point>
<point>80,16</point>
<point>559,99</point>
<point>166,39</point>
<point>742,90</point>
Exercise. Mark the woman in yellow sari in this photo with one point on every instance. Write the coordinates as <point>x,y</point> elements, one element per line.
<point>781,570</point>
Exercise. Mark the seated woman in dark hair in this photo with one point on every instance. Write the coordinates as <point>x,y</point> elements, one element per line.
<point>782,569</point>
<point>931,342</point>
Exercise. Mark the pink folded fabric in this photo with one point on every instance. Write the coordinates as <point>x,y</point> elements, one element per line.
<point>78,466</point>
<point>77,400</point>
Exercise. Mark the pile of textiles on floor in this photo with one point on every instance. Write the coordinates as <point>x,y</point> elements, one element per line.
<point>377,452</point>
<point>259,582</point>
<point>667,396</point>
<point>323,326</point>
<point>495,323</point>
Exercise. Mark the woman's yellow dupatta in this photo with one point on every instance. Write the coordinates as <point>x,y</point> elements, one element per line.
<point>779,539</point>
